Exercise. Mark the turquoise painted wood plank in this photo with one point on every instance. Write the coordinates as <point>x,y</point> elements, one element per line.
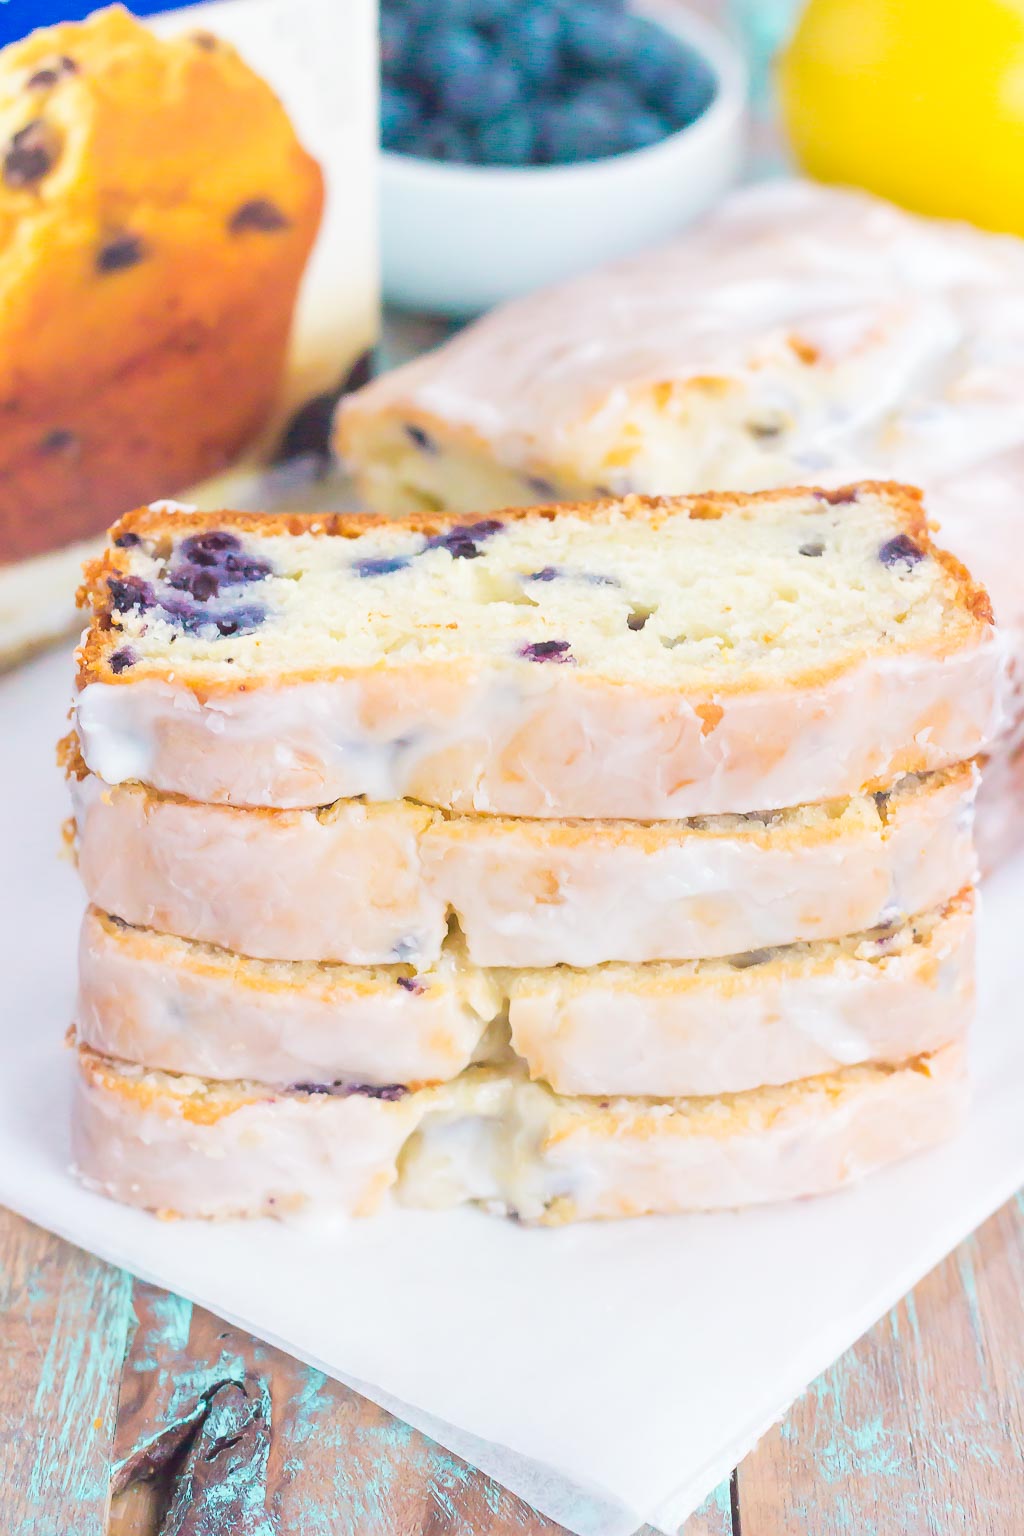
<point>65,1324</point>
<point>918,1430</point>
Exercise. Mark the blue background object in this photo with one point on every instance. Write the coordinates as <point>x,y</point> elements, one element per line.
<point>20,16</point>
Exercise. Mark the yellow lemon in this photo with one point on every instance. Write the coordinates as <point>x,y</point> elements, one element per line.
<point>919,100</point>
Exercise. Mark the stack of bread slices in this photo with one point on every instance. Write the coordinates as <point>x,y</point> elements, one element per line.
<point>576,861</point>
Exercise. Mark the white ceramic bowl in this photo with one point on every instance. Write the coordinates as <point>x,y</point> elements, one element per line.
<point>457,239</point>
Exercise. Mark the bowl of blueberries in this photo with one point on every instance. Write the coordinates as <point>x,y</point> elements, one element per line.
<point>526,140</point>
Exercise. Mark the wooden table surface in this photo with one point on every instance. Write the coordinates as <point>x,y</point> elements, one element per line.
<point>125,1411</point>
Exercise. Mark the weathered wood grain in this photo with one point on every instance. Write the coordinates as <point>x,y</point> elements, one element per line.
<point>918,1430</point>
<point>64,1320</point>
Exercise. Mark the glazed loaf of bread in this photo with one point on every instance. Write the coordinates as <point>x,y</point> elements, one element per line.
<point>375,883</point>
<point>643,659</point>
<point>693,1027</point>
<point>184,1146</point>
<point>798,331</point>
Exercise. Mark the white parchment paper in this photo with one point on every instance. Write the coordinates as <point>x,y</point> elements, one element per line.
<point>608,1374</point>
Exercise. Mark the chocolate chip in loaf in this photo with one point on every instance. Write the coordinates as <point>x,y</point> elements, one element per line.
<point>259,214</point>
<point>128,592</point>
<point>122,659</point>
<point>547,650</point>
<point>900,550</point>
<point>119,253</point>
<point>46,78</point>
<point>31,154</point>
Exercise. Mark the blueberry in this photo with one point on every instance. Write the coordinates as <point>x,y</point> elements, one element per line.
<point>689,94</point>
<point>399,116</point>
<point>422,439</point>
<point>451,59</point>
<point>656,57</point>
<point>180,612</point>
<point>548,573</point>
<point>640,129</point>
<point>127,540</point>
<point>385,565</point>
<point>569,132</point>
<point>389,1092</point>
<point>59,440</point>
<point>122,659</point>
<point>119,253</point>
<point>541,487</point>
<point>441,140</point>
<point>242,569</point>
<point>410,983</point>
<point>258,214</point>
<point>528,39</point>
<point>597,36</point>
<point>394,37</point>
<point>493,90</point>
<point>210,547</point>
<point>242,620</point>
<point>199,581</point>
<point>615,96</point>
<point>128,592</point>
<point>461,541</point>
<point>31,154</point>
<point>546,650</point>
<point>900,550</point>
<point>507,139</point>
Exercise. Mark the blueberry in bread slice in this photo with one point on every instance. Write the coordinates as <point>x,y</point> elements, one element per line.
<point>650,658</point>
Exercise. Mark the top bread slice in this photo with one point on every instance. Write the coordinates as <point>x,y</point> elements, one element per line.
<point>645,658</point>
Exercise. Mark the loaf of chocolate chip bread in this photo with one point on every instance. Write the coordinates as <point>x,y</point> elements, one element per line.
<point>693,1027</point>
<point>644,659</point>
<point>156,213</point>
<point>374,883</point>
<point>184,1146</point>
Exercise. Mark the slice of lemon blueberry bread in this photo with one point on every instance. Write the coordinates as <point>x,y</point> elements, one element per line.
<point>693,1027</point>
<point>184,1146</point>
<point>373,883</point>
<point>646,659</point>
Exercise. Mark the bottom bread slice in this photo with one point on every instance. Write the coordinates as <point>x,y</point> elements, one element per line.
<point>186,1146</point>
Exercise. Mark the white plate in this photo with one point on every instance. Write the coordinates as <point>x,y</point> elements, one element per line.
<point>607,1374</point>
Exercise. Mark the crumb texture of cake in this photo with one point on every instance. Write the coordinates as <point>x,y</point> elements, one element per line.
<point>183,1146</point>
<point>644,659</point>
<point>694,1027</point>
<point>373,884</point>
<point>156,214</point>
